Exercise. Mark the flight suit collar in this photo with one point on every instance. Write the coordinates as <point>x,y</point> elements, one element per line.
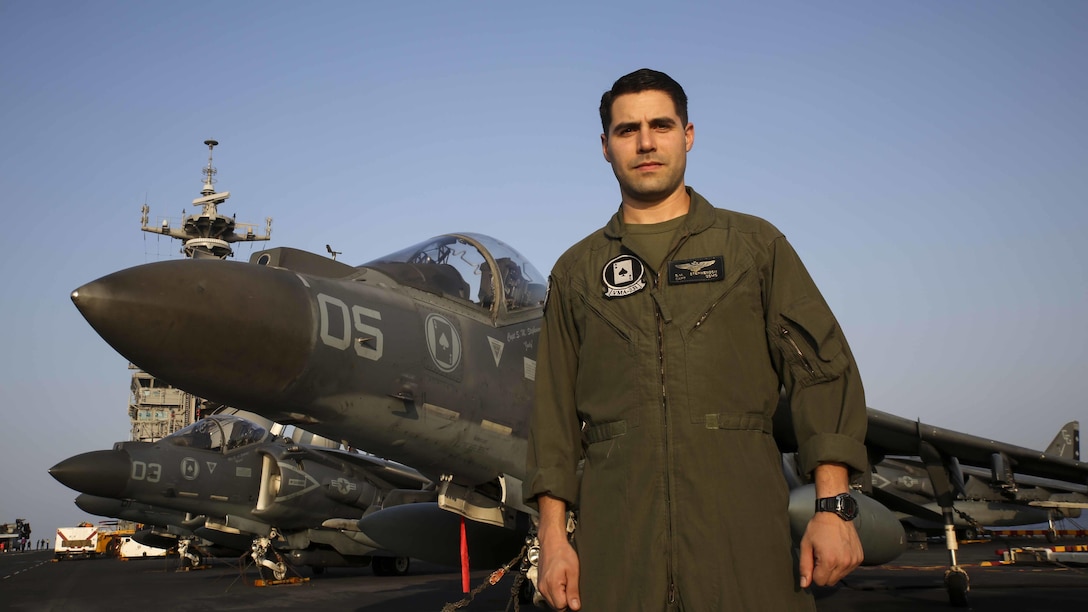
<point>700,217</point>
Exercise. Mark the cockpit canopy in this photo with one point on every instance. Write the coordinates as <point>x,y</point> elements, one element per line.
<point>218,432</point>
<point>463,266</point>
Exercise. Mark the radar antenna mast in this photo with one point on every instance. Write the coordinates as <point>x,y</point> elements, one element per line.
<point>208,234</point>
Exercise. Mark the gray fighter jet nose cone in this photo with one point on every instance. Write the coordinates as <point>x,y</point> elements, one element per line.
<point>205,325</point>
<point>103,473</point>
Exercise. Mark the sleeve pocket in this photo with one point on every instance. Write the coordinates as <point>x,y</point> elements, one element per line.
<point>810,338</point>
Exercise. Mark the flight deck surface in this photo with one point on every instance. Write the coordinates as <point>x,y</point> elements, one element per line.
<point>30,582</point>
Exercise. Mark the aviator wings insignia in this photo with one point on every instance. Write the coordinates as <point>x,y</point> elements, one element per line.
<point>695,266</point>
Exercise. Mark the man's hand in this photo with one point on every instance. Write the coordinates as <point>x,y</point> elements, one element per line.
<point>558,572</point>
<point>558,580</point>
<point>830,549</point>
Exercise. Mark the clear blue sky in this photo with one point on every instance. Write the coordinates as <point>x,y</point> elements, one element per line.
<point>928,160</point>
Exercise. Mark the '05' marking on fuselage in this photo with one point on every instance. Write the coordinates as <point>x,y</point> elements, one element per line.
<point>371,341</point>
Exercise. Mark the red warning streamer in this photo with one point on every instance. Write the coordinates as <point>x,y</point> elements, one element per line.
<point>464,558</point>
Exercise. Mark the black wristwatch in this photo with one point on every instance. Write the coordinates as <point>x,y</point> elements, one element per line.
<point>842,504</point>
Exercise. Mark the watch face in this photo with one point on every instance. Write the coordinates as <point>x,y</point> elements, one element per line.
<point>843,504</point>
<point>848,507</point>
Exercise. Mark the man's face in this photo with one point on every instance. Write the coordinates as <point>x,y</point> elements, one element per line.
<point>647,146</point>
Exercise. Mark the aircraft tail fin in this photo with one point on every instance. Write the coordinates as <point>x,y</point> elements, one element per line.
<point>1067,443</point>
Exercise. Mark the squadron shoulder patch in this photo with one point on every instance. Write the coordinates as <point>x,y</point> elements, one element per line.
<point>698,270</point>
<point>623,276</point>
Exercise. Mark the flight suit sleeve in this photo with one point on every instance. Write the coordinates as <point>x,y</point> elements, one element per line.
<point>555,445</point>
<point>814,364</point>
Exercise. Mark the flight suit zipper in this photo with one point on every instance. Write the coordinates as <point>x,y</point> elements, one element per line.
<point>665,419</point>
<point>668,452</point>
<point>720,299</point>
<point>607,321</point>
<point>804,360</point>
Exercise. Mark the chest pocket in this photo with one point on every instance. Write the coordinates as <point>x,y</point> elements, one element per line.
<point>724,359</point>
<point>612,379</point>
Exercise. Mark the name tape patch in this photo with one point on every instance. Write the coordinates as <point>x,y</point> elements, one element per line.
<point>698,270</point>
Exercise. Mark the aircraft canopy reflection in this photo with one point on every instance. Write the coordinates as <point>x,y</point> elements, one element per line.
<point>219,432</point>
<point>461,266</point>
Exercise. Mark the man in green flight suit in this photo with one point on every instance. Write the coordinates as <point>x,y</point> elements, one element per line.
<point>668,337</point>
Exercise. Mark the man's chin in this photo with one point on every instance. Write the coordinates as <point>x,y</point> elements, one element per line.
<point>648,195</point>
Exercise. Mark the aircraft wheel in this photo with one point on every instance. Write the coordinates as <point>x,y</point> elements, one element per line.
<point>280,572</point>
<point>1051,536</point>
<point>957,583</point>
<point>194,562</point>
<point>399,566</point>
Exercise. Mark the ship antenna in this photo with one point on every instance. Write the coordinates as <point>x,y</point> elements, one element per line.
<point>209,172</point>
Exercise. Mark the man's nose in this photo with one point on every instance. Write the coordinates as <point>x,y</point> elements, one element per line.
<point>646,140</point>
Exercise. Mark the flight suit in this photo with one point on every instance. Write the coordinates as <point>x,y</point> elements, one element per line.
<point>665,381</point>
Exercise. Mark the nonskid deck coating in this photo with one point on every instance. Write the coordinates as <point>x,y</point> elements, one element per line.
<point>31,582</point>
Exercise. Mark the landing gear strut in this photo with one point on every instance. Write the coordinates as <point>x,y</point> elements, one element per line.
<point>189,555</point>
<point>259,551</point>
<point>955,579</point>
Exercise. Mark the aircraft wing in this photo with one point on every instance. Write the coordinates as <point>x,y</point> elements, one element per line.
<point>892,435</point>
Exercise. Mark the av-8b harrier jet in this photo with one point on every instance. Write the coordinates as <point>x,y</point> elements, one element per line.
<point>257,491</point>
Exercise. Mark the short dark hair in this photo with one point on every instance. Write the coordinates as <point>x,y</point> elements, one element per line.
<point>640,80</point>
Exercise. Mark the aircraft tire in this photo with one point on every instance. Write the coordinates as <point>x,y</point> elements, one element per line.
<point>399,566</point>
<point>191,563</point>
<point>956,582</point>
<point>317,569</point>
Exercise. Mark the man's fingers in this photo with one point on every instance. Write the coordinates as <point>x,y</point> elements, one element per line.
<point>806,563</point>
<point>827,575</point>
<point>555,595</point>
<point>563,597</point>
<point>821,573</point>
<point>559,579</point>
<point>574,601</point>
<point>828,571</point>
